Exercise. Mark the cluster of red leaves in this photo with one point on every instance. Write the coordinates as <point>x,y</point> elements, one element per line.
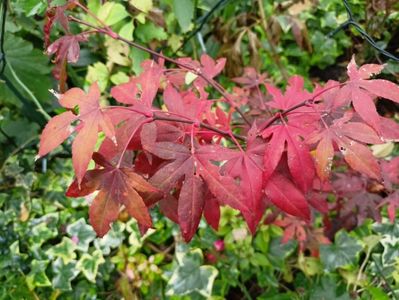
<point>184,157</point>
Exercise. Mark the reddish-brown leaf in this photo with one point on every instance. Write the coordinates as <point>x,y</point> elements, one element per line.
<point>283,193</point>
<point>190,206</point>
<point>117,186</point>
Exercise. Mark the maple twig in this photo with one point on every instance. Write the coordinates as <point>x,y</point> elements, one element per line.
<point>200,124</point>
<point>192,69</point>
<point>130,138</point>
<point>299,105</point>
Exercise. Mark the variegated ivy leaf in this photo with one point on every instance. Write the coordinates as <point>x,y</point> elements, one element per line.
<point>343,252</point>
<point>37,276</point>
<point>64,250</point>
<point>191,276</point>
<point>112,239</point>
<point>82,233</point>
<point>88,264</point>
<point>64,274</point>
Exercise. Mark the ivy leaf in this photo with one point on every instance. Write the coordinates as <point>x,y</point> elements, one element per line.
<point>190,275</point>
<point>37,276</point>
<point>88,264</point>
<point>64,274</point>
<point>41,233</point>
<point>112,239</point>
<point>328,289</point>
<point>341,253</point>
<point>83,234</point>
<point>64,250</point>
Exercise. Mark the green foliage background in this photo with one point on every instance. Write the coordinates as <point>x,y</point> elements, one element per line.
<point>47,249</point>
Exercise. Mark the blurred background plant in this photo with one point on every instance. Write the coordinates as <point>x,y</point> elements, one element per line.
<point>48,251</point>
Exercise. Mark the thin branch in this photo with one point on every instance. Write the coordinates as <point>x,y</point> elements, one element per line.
<point>299,105</point>
<point>192,69</point>
<point>200,124</point>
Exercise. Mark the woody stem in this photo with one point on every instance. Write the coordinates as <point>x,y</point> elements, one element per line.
<point>192,69</point>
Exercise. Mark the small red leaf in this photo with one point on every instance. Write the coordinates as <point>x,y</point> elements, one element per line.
<point>287,197</point>
<point>190,207</point>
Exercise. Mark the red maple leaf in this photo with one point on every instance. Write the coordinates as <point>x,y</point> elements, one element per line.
<point>361,91</point>
<point>92,120</point>
<point>285,137</point>
<point>286,196</point>
<point>117,186</point>
<point>140,91</point>
<point>350,138</point>
<point>196,173</point>
<point>248,166</point>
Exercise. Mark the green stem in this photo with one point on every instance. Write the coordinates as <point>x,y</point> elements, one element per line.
<point>29,92</point>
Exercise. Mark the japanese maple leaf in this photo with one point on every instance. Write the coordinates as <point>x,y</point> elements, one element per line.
<point>248,166</point>
<point>187,105</point>
<point>92,120</point>
<point>207,66</point>
<point>362,205</point>
<point>361,91</point>
<point>390,172</point>
<point>300,163</point>
<point>251,78</point>
<point>66,49</point>
<point>294,94</point>
<point>284,194</point>
<point>350,138</point>
<point>56,14</point>
<point>195,171</point>
<point>393,203</point>
<point>140,90</point>
<point>117,187</point>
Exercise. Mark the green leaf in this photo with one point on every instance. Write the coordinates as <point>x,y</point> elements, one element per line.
<point>30,65</point>
<point>89,264</point>
<point>41,233</point>
<point>119,78</point>
<point>37,276</point>
<point>127,30</point>
<point>149,31</point>
<point>343,252</point>
<point>111,13</point>
<point>98,72</point>
<point>64,274</point>
<point>327,289</point>
<point>377,293</point>
<point>138,57</point>
<point>184,12</point>
<point>64,250</point>
<point>142,5</point>
<point>112,239</point>
<point>83,233</point>
<point>190,276</point>
<point>32,7</point>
